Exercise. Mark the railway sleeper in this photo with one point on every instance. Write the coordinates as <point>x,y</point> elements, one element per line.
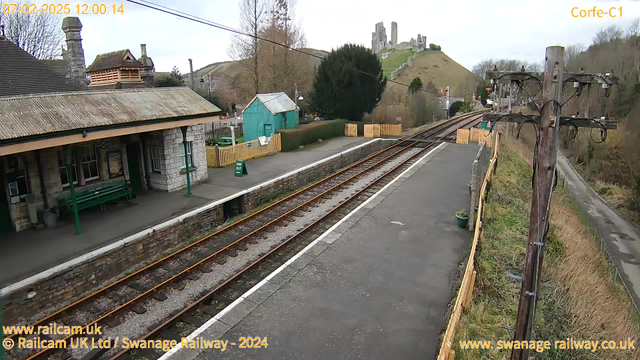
<point>168,334</point>
<point>195,321</point>
<point>220,259</point>
<point>138,309</point>
<point>159,296</point>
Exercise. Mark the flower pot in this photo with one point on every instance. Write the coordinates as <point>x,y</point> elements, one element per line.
<point>462,221</point>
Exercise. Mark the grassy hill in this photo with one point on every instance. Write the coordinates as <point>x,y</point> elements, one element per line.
<point>434,66</point>
<point>232,68</point>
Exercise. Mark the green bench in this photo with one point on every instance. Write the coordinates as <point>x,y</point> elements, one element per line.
<point>96,196</point>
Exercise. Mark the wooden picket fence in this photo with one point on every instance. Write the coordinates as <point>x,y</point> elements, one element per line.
<point>372,130</point>
<point>465,293</point>
<point>377,130</point>
<point>390,130</point>
<point>351,130</point>
<point>462,136</point>
<point>479,135</point>
<point>225,156</point>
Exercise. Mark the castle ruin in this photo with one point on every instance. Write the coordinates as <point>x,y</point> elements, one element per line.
<point>379,40</point>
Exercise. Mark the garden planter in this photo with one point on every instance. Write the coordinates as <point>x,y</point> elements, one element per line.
<point>462,221</point>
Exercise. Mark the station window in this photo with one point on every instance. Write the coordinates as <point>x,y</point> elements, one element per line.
<point>156,157</point>
<point>64,177</point>
<point>189,155</point>
<point>89,162</point>
<point>19,180</point>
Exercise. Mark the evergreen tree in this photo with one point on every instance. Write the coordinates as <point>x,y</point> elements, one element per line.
<point>344,86</point>
<point>416,84</point>
<point>175,73</point>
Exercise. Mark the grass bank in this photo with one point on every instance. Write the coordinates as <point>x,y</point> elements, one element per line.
<point>578,299</point>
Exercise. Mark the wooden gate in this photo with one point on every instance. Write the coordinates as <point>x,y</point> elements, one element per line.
<point>351,130</point>
<point>372,130</point>
<point>462,136</point>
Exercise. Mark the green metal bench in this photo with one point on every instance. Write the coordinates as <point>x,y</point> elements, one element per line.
<point>96,196</point>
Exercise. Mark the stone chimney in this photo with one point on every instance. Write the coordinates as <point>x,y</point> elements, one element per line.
<point>149,70</point>
<point>74,54</point>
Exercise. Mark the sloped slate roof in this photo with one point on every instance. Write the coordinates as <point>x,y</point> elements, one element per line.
<point>24,116</point>
<point>21,73</point>
<point>59,66</point>
<point>113,60</point>
<point>276,102</point>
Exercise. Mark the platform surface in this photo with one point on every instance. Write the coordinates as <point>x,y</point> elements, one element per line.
<point>29,252</point>
<point>377,287</point>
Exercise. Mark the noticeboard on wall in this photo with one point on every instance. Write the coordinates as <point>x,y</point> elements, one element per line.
<point>114,161</point>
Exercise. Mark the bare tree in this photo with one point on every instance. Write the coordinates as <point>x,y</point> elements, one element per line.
<point>633,29</point>
<point>534,67</point>
<point>40,35</point>
<point>611,34</point>
<point>247,49</point>
<point>482,67</point>
<point>571,52</point>
<point>284,68</point>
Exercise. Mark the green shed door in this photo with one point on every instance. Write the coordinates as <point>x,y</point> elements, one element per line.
<point>268,130</point>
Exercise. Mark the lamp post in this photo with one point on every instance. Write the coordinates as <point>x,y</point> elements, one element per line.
<point>208,87</point>
<point>297,97</point>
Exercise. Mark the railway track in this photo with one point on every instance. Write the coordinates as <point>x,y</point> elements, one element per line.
<point>155,285</point>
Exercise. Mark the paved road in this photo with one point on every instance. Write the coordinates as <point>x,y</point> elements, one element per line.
<point>620,236</point>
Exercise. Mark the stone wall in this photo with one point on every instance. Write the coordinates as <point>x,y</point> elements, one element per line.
<point>70,285</point>
<point>285,186</point>
<point>62,287</point>
<point>175,174</point>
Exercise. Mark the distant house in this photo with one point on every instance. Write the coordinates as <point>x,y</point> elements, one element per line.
<point>118,69</point>
<point>268,113</point>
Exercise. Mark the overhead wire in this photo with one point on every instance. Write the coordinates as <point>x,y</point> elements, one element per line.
<point>187,16</point>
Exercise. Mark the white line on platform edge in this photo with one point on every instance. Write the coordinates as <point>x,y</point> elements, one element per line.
<point>257,286</point>
<point>125,241</point>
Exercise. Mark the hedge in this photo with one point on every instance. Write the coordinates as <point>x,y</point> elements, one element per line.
<point>310,133</point>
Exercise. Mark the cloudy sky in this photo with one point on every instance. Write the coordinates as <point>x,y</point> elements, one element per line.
<point>468,31</point>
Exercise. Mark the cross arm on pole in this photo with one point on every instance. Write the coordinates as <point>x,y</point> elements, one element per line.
<point>597,123</point>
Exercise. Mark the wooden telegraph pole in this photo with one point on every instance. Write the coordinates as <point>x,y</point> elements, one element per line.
<point>545,164</point>
<point>546,126</point>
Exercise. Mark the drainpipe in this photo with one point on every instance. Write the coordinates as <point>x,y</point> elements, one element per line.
<point>186,158</point>
<point>145,162</point>
<point>72,191</point>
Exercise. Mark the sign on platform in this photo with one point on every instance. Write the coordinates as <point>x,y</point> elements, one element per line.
<point>241,168</point>
<point>398,118</point>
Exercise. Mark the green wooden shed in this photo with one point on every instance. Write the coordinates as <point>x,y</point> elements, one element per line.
<point>268,113</point>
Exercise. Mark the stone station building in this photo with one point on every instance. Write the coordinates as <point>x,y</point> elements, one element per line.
<point>135,135</point>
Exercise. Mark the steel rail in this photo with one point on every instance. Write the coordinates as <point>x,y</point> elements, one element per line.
<point>119,281</point>
<point>194,304</point>
<point>430,131</point>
